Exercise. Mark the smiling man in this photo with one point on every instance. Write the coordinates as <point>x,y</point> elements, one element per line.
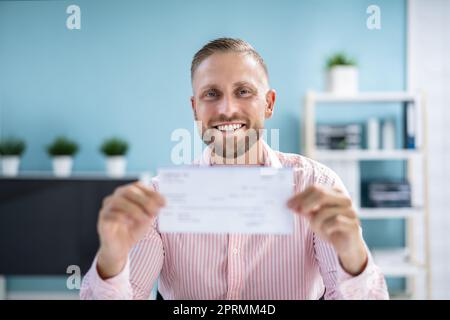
<point>325,257</point>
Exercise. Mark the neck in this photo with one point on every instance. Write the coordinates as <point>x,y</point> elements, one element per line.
<point>253,157</point>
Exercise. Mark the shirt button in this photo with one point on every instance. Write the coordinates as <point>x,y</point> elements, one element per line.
<point>236,251</point>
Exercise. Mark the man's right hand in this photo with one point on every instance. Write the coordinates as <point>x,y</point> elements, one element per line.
<point>124,219</point>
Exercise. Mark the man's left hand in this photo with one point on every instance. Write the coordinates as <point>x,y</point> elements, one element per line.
<point>333,218</point>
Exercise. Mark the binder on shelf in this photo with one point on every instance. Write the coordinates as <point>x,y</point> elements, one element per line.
<point>409,126</point>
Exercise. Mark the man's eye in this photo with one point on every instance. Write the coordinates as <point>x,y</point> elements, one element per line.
<point>244,92</point>
<point>211,94</point>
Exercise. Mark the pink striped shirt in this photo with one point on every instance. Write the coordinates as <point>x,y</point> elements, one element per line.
<point>238,266</point>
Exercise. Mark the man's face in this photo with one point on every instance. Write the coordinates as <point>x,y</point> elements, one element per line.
<point>231,100</point>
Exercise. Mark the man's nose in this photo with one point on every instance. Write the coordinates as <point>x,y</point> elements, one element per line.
<point>228,107</point>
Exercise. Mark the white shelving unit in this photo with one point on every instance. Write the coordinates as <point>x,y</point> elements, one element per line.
<point>412,261</point>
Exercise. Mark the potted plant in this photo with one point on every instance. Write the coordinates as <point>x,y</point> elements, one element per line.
<point>62,150</point>
<point>342,74</point>
<point>11,150</point>
<point>115,149</point>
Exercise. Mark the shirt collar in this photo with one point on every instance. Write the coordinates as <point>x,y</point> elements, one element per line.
<point>270,157</point>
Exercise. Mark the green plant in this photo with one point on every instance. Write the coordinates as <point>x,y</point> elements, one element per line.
<point>340,59</point>
<point>62,146</point>
<point>114,147</point>
<point>12,147</point>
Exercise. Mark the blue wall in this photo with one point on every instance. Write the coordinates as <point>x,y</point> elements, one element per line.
<point>126,72</point>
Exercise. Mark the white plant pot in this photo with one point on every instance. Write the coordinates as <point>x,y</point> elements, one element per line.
<point>62,166</point>
<point>10,165</point>
<point>343,80</point>
<point>116,166</point>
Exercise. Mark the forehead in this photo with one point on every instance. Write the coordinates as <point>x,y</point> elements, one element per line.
<point>227,68</point>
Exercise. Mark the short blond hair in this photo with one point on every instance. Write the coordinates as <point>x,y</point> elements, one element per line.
<point>226,45</point>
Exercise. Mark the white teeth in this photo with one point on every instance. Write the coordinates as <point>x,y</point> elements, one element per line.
<point>229,127</point>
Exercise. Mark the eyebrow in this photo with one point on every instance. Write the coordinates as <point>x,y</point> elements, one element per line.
<point>235,85</point>
<point>244,84</point>
<point>208,87</point>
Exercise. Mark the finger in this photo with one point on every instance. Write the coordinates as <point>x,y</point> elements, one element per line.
<point>116,216</point>
<point>137,196</point>
<point>309,195</point>
<point>106,201</point>
<point>132,210</point>
<point>145,187</point>
<point>338,224</point>
<point>319,217</point>
<point>324,197</point>
<point>316,196</point>
<point>149,204</point>
<point>295,201</point>
<point>149,191</point>
<point>338,190</point>
<point>108,206</point>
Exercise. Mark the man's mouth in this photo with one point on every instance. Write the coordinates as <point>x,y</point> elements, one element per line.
<point>229,128</point>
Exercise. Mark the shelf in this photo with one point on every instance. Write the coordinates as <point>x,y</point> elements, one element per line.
<point>388,213</point>
<point>398,154</point>
<point>400,270</point>
<point>394,262</point>
<point>363,97</point>
<point>77,175</point>
<point>400,296</point>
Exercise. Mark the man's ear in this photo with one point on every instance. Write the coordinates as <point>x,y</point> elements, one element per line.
<point>270,103</point>
<point>193,108</point>
<point>193,103</point>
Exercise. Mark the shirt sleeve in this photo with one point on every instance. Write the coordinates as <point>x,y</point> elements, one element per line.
<point>369,284</point>
<point>137,278</point>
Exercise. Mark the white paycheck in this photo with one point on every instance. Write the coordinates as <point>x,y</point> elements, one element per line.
<point>226,200</point>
